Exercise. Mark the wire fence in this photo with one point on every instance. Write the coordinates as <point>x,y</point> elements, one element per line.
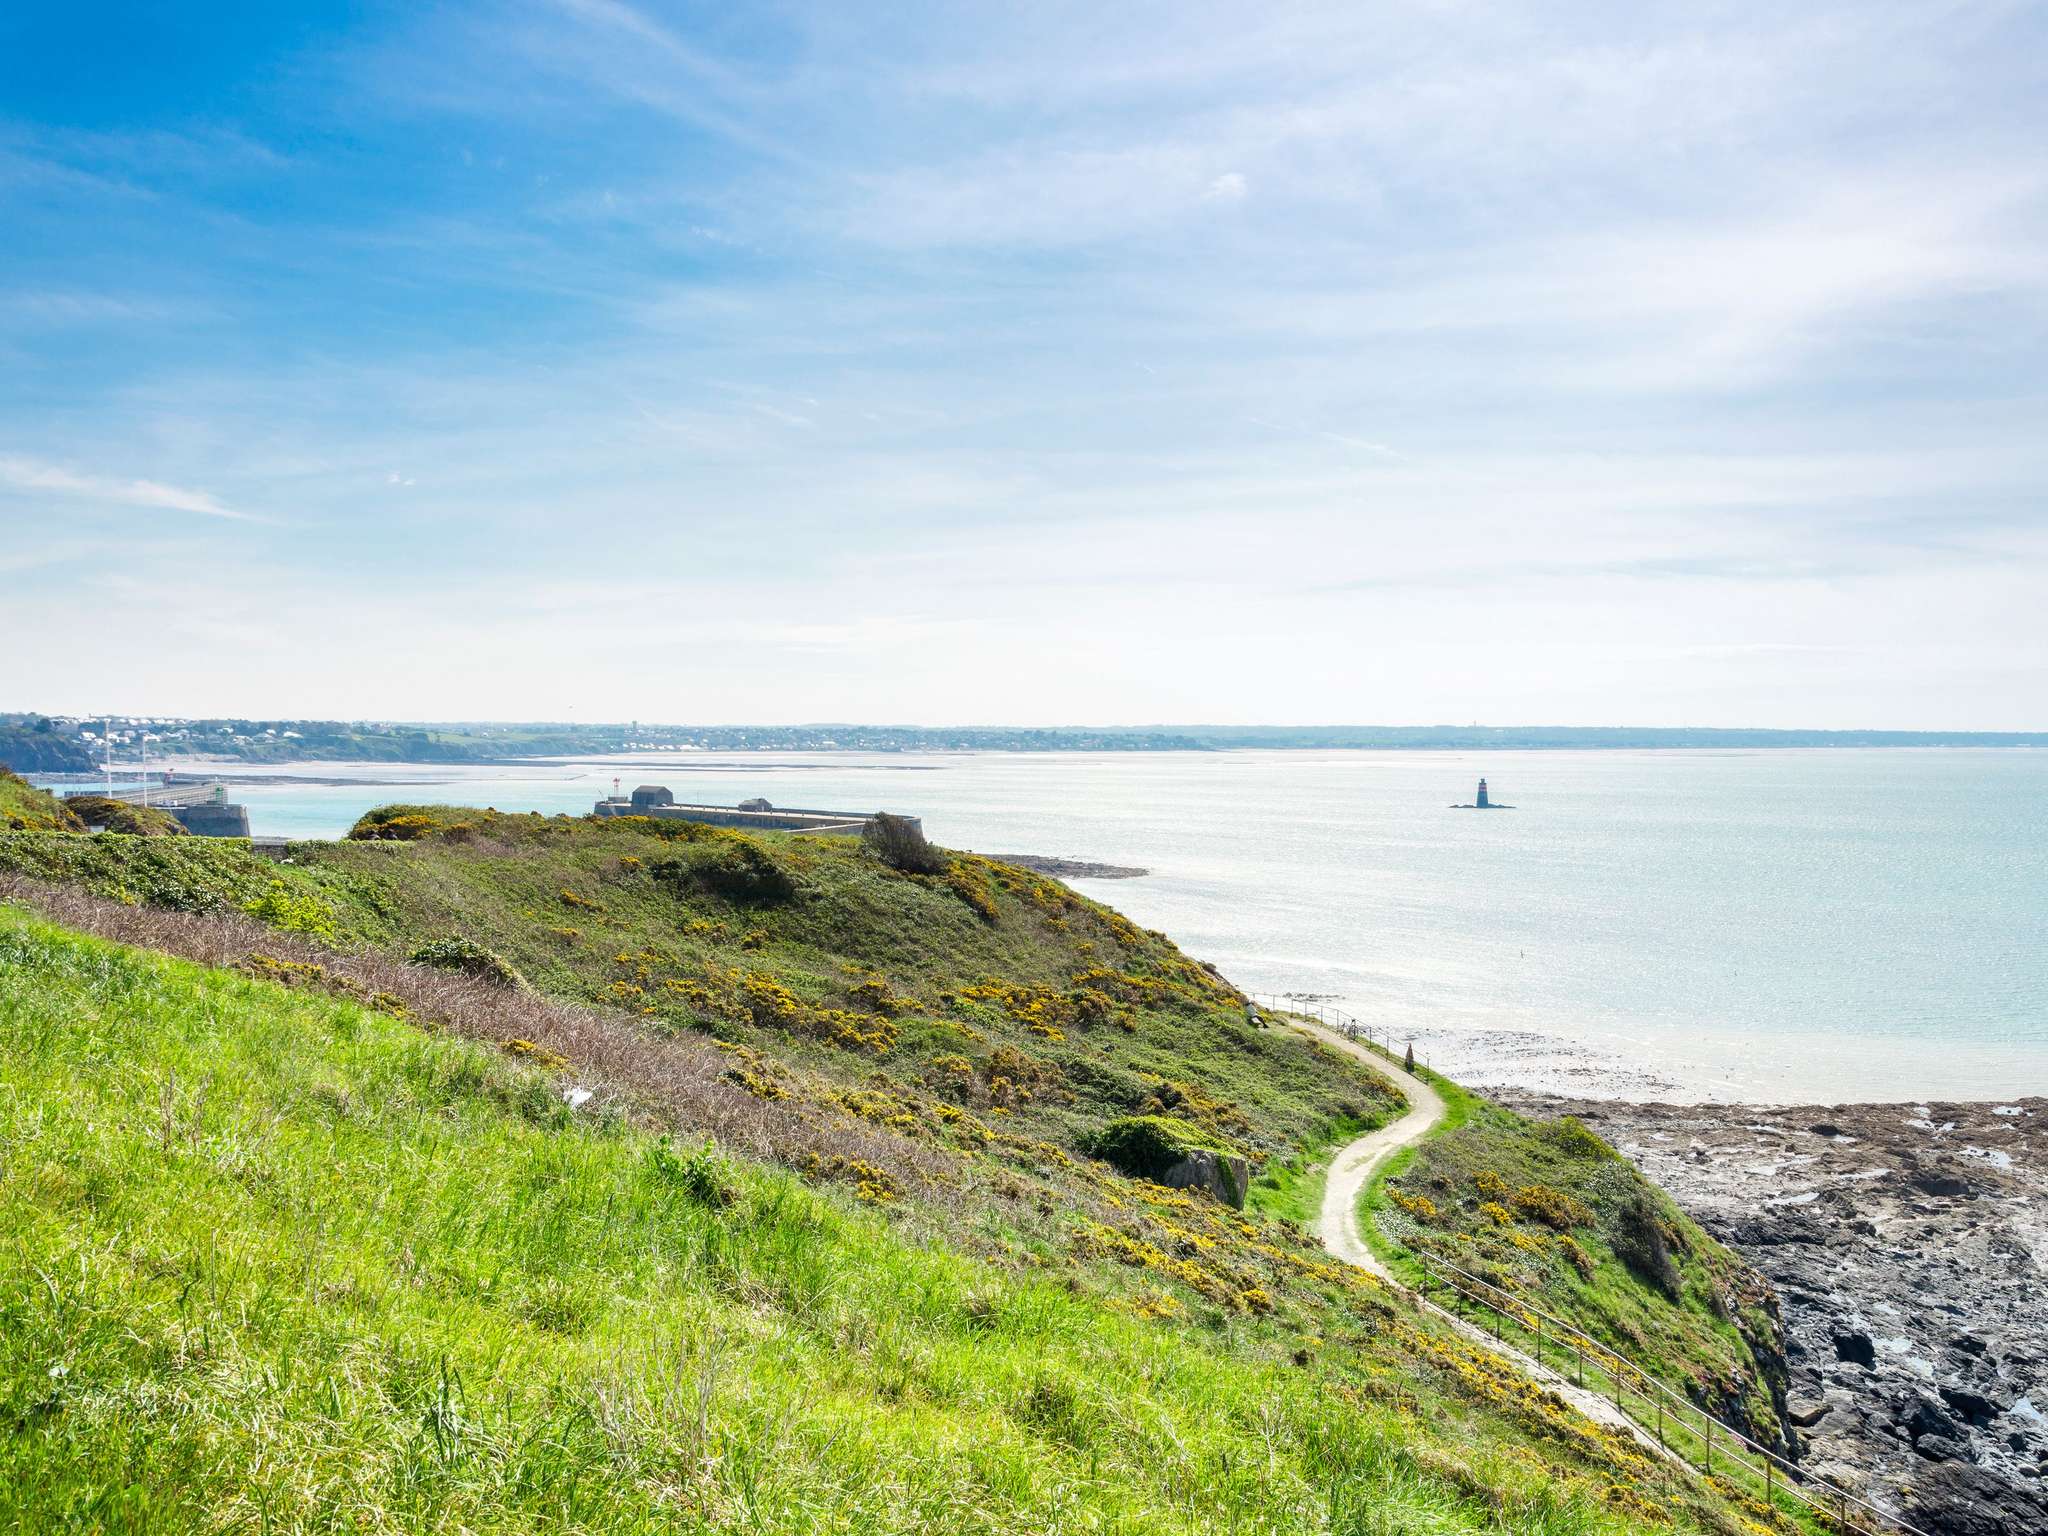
<point>1681,1428</point>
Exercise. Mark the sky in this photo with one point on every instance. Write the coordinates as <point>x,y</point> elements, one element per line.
<point>1636,363</point>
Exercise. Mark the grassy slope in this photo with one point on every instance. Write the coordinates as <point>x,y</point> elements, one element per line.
<point>273,1261</point>
<point>1037,1026</point>
<point>1474,1194</point>
<point>24,808</point>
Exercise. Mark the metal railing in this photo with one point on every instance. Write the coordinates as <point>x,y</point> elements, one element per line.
<point>1681,1427</point>
<point>1353,1029</point>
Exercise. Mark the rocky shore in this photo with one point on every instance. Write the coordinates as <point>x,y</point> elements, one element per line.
<point>1071,869</point>
<point>1909,1247</point>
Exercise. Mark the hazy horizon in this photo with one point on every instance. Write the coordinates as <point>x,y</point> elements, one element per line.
<point>1218,728</point>
<point>1680,365</point>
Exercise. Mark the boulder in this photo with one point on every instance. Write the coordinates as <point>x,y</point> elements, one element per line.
<point>1922,1416</point>
<point>1224,1177</point>
<point>1806,1415</point>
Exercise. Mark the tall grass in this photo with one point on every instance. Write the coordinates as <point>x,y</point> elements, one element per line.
<point>273,1261</point>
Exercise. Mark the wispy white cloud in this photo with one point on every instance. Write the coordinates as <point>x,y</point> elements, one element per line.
<point>36,477</point>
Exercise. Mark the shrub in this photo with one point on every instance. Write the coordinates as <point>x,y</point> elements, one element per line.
<point>662,830</point>
<point>737,868</point>
<point>969,882</point>
<point>1636,1235</point>
<point>24,808</point>
<point>1571,1137</point>
<point>900,843</point>
<point>470,958</point>
<point>284,908</point>
<point>395,824</point>
<point>1146,1146</point>
<point>1553,1207</point>
<point>1581,1260</point>
<point>699,1172</point>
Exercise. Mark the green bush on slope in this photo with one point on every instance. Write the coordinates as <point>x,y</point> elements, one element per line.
<point>276,1262</point>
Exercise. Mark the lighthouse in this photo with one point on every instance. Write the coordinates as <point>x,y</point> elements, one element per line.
<point>1482,802</point>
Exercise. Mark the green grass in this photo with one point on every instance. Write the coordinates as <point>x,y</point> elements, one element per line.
<point>24,808</point>
<point>981,1026</point>
<point>1291,1188</point>
<point>1549,1212</point>
<point>273,1262</point>
<point>989,992</point>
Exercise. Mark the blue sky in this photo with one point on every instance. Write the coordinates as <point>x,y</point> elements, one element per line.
<point>1650,363</point>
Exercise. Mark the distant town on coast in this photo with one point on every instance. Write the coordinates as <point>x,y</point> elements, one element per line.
<point>59,743</point>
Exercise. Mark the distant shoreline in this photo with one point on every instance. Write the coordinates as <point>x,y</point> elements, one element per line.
<point>37,743</point>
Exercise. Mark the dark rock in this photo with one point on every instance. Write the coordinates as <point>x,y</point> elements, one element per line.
<point>1973,1409</point>
<point>1936,1181</point>
<point>1770,1231</point>
<point>1923,1416</point>
<point>1825,1128</point>
<point>1856,1347</point>
<point>1227,1178</point>
<point>1955,1498</point>
<point>1941,1448</point>
<point>1969,1343</point>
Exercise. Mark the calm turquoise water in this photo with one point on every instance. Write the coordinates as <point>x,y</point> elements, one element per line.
<point>1787,926</point>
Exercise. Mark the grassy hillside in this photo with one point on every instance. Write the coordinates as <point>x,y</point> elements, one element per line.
<point>1547,1210</point>
<point>24,808</point>
<point>372,1251</point>
<point>283,1261</point>
<point>983,1008</point>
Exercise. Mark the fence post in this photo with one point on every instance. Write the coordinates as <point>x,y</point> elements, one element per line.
<point>1579,1350</point>
<point>1660,1421</point>
<point>1710,1443</point>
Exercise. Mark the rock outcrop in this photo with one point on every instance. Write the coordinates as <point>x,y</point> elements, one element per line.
<point>1225,1177</point>
<point>1909,1248</point>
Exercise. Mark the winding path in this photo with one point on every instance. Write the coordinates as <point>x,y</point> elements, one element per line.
<point>1339,1224</point>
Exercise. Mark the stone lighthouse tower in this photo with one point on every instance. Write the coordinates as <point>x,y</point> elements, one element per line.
<point>1482,802</point>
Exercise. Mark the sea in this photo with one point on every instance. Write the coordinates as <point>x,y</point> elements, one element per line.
<point>1785,926</point>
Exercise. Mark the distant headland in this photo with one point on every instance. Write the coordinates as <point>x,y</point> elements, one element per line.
<point>1482,802</point>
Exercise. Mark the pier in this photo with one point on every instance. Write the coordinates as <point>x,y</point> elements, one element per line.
<point>654,800</point>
